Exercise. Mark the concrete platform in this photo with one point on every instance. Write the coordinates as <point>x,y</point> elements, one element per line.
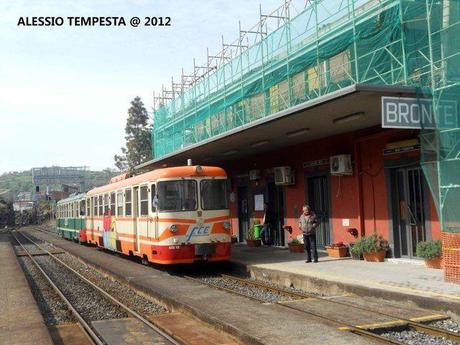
<point>390,280</point>
<point>248,321</point>
<point>20,319</point>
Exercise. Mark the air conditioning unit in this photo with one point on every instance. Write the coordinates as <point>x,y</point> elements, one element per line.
<point>341,165</point>
<point>254,175</point>
<point>284,176</point>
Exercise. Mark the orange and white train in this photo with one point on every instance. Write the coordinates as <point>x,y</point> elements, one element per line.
<point>165,216</point>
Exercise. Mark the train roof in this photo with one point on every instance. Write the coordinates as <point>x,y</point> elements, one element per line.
<point>174,172</point>
<point>73,197</point>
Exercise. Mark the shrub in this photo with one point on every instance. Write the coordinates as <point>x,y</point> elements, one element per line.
<point>429,249</point>
<point>375,243</point>
<point>295,241</point>
<point>370,244</point>
<point>357,248</point>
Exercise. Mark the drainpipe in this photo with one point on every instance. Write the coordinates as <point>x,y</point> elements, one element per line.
<point>357,154</point>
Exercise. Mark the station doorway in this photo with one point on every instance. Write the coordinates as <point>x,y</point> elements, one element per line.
<point>276,199</point>
<point>409,211</point>
<point>243,212</point>
<point>318,198</point>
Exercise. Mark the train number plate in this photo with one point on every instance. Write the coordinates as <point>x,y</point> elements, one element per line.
<point>205,249</point>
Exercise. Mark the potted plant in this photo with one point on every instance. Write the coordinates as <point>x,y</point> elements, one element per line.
<point>431,251</point>
<point>296,246</point>
<point>337,250</point>
<point>356,250</point>
<point>253,239</point>
<point>374,247</point>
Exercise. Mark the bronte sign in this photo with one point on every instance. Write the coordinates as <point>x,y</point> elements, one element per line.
<point>400,112</point>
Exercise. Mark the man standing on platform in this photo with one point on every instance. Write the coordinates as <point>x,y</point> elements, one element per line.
<point>308,222</point>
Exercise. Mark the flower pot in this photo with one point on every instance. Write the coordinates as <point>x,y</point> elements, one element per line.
<point>253,243</point>
<point>375,256</point>
<point>337,252</point>
<point>296,247</point>
<point>434,262</point>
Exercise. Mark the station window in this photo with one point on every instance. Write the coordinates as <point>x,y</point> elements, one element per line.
<point>120,204</point>
<point>106,204</point>
<point>94,206</point>
<point>112,203</point>
<point>144,201</point>
<point>127,202</point>
<point>101,208</point>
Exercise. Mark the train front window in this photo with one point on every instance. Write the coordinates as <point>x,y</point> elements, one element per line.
<point>214,194</point>
<point>174,196</point>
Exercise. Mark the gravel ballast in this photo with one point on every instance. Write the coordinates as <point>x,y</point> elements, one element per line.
<point>54,310</point>
<point>84,298</point>
<point>264,295</point>
<point>120,291</point>
<point>448,324</point>
<point>417,338</point>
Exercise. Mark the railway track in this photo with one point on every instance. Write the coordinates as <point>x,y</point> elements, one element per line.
<point>285,297</point>
<point>125,317</point>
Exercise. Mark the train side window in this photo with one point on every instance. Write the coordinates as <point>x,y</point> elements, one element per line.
<point>120,204</point>
<point>101,207</point>
<point>76,209</point>
<point>144,201</point>
<point>127,202</point>
<point>112,203</point>
<point>106,204</point>
<point>154,198</point>
<point>88,207</point>
<point>82,207</point>
<point>94,206</point>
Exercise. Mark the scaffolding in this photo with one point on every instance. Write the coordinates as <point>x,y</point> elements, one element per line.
<point>328,45</point>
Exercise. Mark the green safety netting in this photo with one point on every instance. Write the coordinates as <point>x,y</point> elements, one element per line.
<point>332,44</point>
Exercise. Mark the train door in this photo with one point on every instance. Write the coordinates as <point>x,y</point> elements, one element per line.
<point>136,213</point>
<point>154,212</point>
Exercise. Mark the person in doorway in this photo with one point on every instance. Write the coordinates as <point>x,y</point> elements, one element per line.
<point>267,223</point>
<point>308,223</point>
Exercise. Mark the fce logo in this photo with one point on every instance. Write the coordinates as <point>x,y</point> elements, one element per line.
<point>202,230</point>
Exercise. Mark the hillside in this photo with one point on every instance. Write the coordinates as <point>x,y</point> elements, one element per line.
<point>21,181</point>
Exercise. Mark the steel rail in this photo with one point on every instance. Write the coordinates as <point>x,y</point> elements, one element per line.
<point>113,299</point>
<point>411,324</point>
<point>347,327</point>
<point>92,335</point>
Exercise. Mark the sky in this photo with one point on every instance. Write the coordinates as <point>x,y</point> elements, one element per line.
<point>65,90</point>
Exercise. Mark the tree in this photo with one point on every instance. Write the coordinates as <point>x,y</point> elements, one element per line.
<point>138,138</point>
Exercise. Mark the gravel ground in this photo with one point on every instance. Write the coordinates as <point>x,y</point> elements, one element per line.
<point>87,300</point>
<point>53,309</point>
<point>117,289</point>
<point>417,338</point>
<point>290,288</point>
<point>247,290</point>
<point>447,324</point>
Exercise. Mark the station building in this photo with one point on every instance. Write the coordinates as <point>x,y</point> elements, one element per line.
<point>349,106</point>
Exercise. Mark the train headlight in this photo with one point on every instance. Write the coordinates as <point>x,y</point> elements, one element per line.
<point>227,226</point>
<point>198,169</point>
<point>173,228</point>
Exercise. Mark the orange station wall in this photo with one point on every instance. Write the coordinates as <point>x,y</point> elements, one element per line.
<point>366,148</point>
